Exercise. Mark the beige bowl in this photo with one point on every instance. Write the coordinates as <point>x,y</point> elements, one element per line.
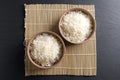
<point>85,12</point>
<point>29,55</point>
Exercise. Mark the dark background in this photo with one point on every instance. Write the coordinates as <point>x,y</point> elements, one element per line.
<point>12,37</point>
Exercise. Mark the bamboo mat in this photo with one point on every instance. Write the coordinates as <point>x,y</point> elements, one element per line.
<point>78,60</point>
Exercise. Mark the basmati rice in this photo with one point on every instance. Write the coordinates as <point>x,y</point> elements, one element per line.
<point>46,49</point>
<point>76,26</point>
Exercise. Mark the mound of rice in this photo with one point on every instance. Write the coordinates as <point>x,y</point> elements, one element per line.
<point>45,49</point>
<point>76,26</point>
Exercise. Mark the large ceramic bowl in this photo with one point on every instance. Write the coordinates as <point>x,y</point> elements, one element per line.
<point>85,12</point>
<point>29,45</point>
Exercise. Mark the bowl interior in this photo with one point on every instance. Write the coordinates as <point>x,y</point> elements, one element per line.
<point>85,12</point>
<point>29,45</point>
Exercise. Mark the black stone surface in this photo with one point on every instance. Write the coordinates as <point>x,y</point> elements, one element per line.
<point>12,37</point>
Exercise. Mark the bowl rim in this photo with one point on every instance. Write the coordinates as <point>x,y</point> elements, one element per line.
<point>84,11</point>
<point>48,32</point>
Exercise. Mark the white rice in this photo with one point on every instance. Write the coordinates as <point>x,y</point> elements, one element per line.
<point>76,26</point>
<point>46,49</point>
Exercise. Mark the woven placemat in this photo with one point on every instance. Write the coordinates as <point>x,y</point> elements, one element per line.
<point>78,60</point>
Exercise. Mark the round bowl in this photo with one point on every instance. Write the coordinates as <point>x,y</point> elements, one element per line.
<point>85,12</point>
<point>29,55</point>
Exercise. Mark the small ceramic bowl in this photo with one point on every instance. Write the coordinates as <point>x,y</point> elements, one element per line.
<point>85,12</point>
<point>31,40</point>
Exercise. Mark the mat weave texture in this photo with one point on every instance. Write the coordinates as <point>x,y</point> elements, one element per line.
<point>78,59</point>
